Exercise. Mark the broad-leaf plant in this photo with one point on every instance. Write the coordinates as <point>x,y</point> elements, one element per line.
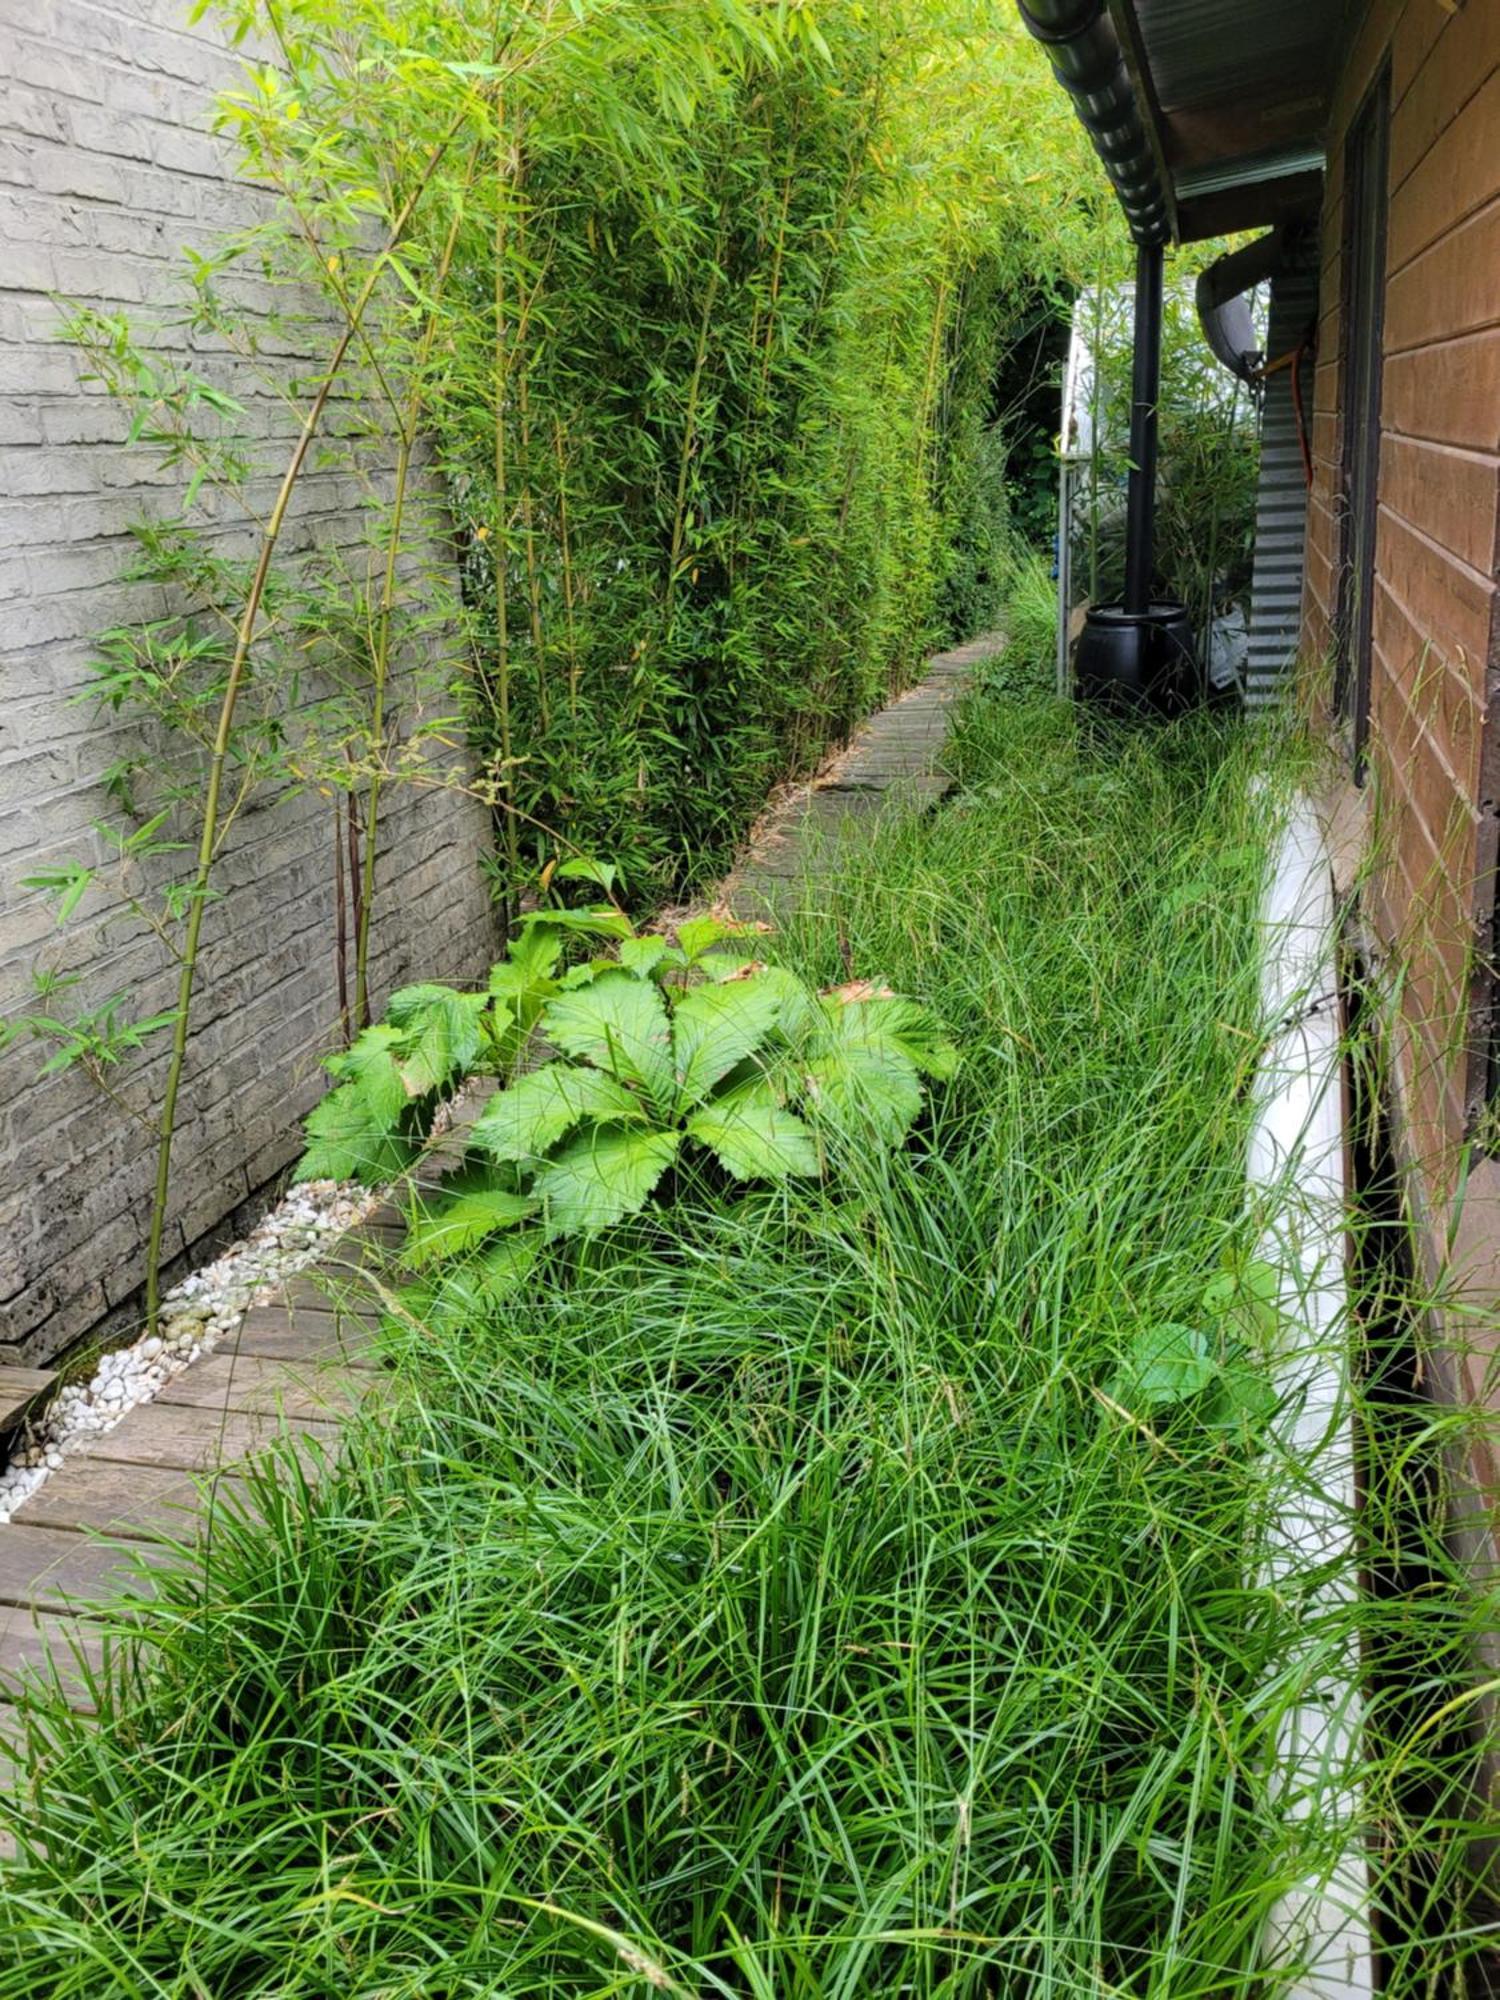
<point>612,1072</point>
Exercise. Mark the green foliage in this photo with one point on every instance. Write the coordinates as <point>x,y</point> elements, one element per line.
<point>663,1047</point>
<point>1209,461</point>
<point>768,1604</point>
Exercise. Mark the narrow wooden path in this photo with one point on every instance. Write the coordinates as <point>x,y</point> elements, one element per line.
<point>296,1367</point>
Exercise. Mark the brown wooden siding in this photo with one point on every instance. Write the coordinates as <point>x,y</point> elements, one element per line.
<point>1434,754</point>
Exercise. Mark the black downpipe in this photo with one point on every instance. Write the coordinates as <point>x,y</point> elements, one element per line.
<point>1145,391</point>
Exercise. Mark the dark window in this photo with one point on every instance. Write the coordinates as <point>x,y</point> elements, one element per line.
<point>1365,162</point>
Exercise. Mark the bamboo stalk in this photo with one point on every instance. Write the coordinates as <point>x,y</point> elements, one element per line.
<point>341,928</point>
<point>407,424</point>
<point>502,625</point>
<point>567,565</point>
<point>223,734</point>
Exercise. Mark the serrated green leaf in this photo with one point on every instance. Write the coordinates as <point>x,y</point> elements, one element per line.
<point>533,955</point>
<point>642,955</point>
<point>715,1027</point>
<point>451,1227</point>
<point>619,1024</point>
<point>889,1022</point>
<point>754,1137</point>
<point>862,1092</point>
<point>696,934</point>
<point>345,1142</point>
<point>601,1178</point>
<point>440,1034</point>
<point>471,1290</point>
<point>528,1118</point>
<point>370,1066</point>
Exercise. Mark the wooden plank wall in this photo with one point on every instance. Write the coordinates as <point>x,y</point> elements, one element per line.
<point>1434,770</point>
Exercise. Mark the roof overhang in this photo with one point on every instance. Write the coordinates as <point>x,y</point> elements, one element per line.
<point>1231,96</point>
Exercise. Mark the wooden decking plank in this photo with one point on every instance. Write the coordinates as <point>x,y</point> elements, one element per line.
<point>290,1333</point>
<point>19,1389</point>
<point>342,1291</point>
<point>193,1440</point>
<point>92,1495</point>
<point>55,1571</point>
<point>38,1647</point>
<point>257,1384</point>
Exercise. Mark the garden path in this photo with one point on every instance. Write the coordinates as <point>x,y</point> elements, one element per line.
<point>298,1365</point>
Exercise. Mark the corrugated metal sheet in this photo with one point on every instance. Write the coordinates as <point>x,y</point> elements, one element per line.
<point>1204,53</point>
<point>1281,496</point>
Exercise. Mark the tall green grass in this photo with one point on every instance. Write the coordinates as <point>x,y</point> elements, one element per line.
<point>781,1601</point>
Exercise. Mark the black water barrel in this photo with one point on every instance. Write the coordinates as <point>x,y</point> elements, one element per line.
<point>1138,661</point>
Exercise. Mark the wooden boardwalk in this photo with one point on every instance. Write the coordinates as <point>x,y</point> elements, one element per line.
<point>893,764</point>
<point>294,1368</point>
<point>297,1366</point>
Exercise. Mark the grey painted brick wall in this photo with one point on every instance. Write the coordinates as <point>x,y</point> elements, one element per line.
<point>107,169</point>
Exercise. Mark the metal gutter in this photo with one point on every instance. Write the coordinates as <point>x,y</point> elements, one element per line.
<point>1084,50</point>
<point>1133,49</point>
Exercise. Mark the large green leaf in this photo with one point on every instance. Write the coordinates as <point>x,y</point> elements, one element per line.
<point>754,1137</point>
<point>619,1024</point>
<point>1166,1364</point>
<point>642,955</point>
<point>370,1066</point>
<point>440,1034</point>
<point>471,1290</point>
<point>538,1109</point>
<point>347,1141</point>
<point>448,1228</point>
<point>602,1177</point>
<point>862,1092</point>
<point>714,1027</point>
<point>886,1022</point>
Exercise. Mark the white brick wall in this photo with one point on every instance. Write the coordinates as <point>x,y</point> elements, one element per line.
<point>107,170</point>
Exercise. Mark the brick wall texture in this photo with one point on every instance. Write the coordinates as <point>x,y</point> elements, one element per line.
<point>108,169</point>
<point>1436,625</point>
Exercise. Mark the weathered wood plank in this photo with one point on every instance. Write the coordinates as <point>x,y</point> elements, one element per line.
<point>256,1383</point>
<point>56,1571</point>
<point>325,1290</point>
<point>299,1333</point>
<point>19,1389</point>
<point>194,1440</point>
<point>38,1647</point>
<point>94,1495</point>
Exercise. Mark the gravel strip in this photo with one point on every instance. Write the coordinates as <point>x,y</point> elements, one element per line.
<point>195,1316</point>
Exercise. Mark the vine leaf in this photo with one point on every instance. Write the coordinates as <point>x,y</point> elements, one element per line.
<point>716,1027</point>
<point>619,1024</point>
<point>532,1114</point>
<point>1167,1364</point>
<point>754,1137</point>
<point>602,1177</point>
